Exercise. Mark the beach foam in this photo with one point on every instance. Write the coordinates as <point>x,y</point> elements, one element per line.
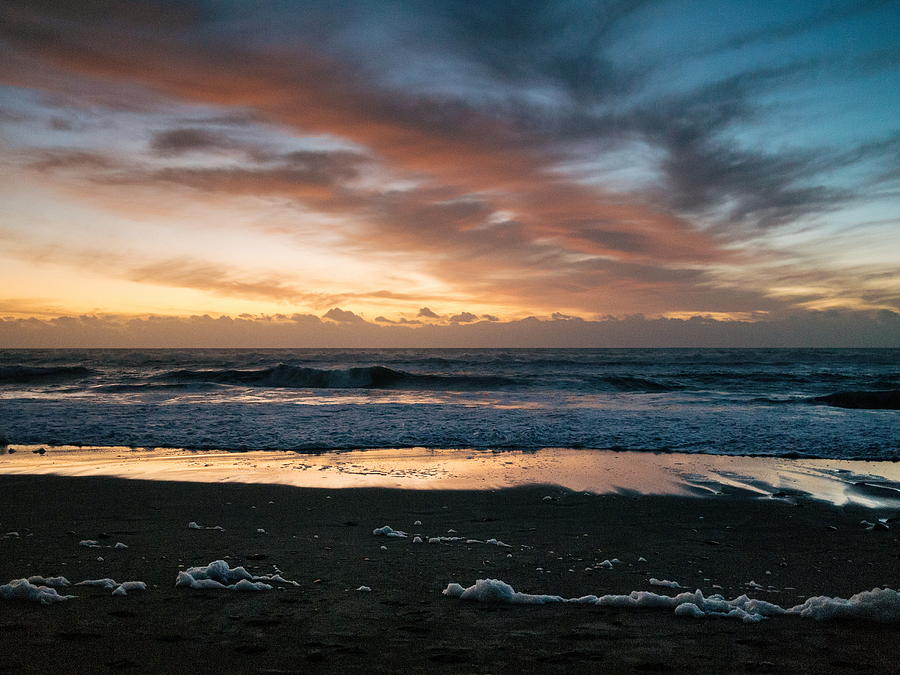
<point>22,589</point>
<point>218,575</point>
<point>53,582</point>
<point>879,604</point>
<point>388,531</point>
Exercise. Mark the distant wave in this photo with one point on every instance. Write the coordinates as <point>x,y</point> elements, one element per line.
<point>42,374</point>
<point>872,400</point>
<point>371,377</point>
<point>381,377</point>
<point>149,387</point>
<point>765,377</point>
<point>626,383</point>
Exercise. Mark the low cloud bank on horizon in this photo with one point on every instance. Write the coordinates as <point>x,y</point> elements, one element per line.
<point>833,328</point>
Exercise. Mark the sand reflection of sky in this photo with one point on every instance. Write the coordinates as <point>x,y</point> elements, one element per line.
<point>870,484</point>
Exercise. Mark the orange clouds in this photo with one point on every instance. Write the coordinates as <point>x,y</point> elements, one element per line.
<point>463,204</point>
<point>469,165</point>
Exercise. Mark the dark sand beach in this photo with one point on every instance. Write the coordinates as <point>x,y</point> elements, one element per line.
<point>322,538</point>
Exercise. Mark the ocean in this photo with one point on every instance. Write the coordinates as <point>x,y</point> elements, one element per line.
<point>827,403</point>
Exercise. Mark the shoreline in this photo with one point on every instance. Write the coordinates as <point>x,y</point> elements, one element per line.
<point>869,483</point>
<point>322,538</point>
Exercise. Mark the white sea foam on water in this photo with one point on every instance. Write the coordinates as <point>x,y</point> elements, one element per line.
<point>879,604</point>
<point>665,582</point>
<point>196,526</point>
<point>23,589</point>
<point>219,575</point>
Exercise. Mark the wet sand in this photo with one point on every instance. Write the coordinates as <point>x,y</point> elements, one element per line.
<point>865,483</point>
<point>323,539</point>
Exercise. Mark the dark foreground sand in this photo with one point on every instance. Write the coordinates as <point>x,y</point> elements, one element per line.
<point>323,539</point>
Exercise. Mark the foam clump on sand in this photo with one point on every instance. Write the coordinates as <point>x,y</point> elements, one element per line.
<point>494,590</point>
<point>53,582</point>
<point>665,583</point>
<point>126,586</point>
<point>689,609</point>
<point>23,589</point>
<point>107,583</point>
<point>879,604</point>
<point>388,531</point>
<point>364,589</point>
<point>497,542</point>
<point>876,605</point>
<point>119,545</point>
<point>116,587</point>
<point>196,526</point>
<point>218,575</point>
<point>90,543</point>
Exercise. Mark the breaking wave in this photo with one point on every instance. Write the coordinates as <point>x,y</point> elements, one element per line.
<point>626,383</point>
<point>381,377</point>
<point>370,377</point>
<point>871,400</point>
<point>149,387</point>
<point>42,374</point>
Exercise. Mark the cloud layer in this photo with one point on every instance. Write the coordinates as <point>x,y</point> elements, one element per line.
<point>495,159</point>
<point>341,328</point>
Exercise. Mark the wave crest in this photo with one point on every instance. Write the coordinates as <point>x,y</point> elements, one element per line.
<point>871,400</point>
<point>38,374</point>
<point>370,377</point>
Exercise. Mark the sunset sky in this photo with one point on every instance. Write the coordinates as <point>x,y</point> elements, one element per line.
<point>396,164</point>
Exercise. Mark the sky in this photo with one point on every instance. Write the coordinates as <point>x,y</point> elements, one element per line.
<point>487,173</point>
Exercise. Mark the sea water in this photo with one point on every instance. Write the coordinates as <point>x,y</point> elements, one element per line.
<point>781,402</point>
